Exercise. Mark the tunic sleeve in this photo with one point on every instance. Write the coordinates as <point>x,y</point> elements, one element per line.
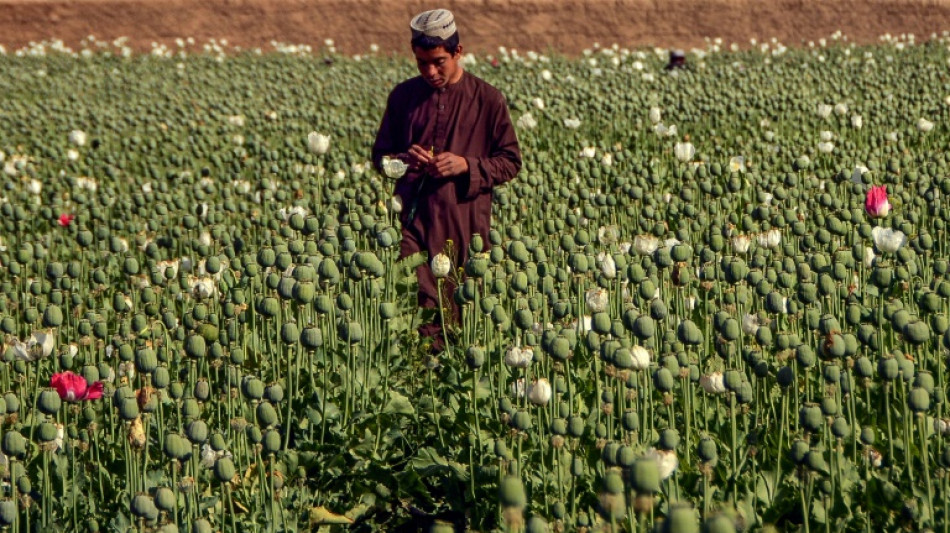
<point>387,138</point>
<point>504,159</point>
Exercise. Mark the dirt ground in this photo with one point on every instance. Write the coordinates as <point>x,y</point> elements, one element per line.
<point>565,26</point>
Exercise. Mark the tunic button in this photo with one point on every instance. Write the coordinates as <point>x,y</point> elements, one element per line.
<point>441,107</point>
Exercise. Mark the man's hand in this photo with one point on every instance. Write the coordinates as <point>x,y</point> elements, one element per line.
<point>446,165</point>
<point>418,157</point>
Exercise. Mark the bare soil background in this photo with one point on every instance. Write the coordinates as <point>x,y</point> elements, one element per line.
<point>564,26</point>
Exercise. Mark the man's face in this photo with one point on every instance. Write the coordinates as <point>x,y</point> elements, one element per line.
<point>438,67</point>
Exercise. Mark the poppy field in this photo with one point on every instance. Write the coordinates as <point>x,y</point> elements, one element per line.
<point>714,299</point>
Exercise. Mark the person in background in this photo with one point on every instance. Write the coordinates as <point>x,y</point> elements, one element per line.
<point>454,132</point>
<point>677,60</point>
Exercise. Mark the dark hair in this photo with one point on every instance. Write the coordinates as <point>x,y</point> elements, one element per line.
<point>427,42</point>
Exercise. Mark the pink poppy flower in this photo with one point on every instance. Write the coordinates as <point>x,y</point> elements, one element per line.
<point>74,388</point>
<point>66,219</point>
<point>876,203</point>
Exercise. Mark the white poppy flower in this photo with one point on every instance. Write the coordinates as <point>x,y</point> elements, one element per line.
<point>527,122</point>
<point>572,123</point>
<point>684,151</point>
<point>607,160</point>
<point>713,383</point>
<point>538,103</point>
<point>857,122</point>
<point>516,357</point>
<point>77,137</point>
<point>539,393</point>
<point>517,388</point>
<point>826,147</point>
<point>750,324</point>
<point>588,152</point>
<point>203,287</point>
<point>641,357</point>
<point>546,75</point>
<point>72,154</point>
<point>655,115</point>
<point>666,461</point>
<point>841,109</point>
<point>826,136</point>
<point>393,167</point>
<point>608,267</point>
<point>887,239</point>
<point>395,203</point>
<point>737,164</point>
<point>645,244</point>
<point>318,143</point>
<point>236,120</point>
<point>597,300</point>
<point>741,243</point>
<point>824,110</point>
<point>924,125</point>
<point>869,256</point>
<point>441,265</point>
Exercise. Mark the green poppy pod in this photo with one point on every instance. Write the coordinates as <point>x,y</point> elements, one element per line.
<point>578,263</point>
<point>24,485</point>
<point>829,406</point>
<point>146,360</point>
<point>269,307</point>
<point>289,333</point>
<point>613,482</point>
<point>707,450</point>
<point>730,329</point>
<point>888,369</point>
<point>918,400</point>
<point>161,377</point>
<point>811,419</point>
<point>8,512</point>
<point>576,426</point>
<point>196,346</point>
<point>682,518</point>
<point>511,492</point>
<point>266,414</point>
<point>669,439</point>
<point>143,506</point>
<point>644,476</point>
<point>351,331</point>
<point>253,388</point>
<point>274,393</point>
<point>128,408</point>
<point>14,444</point>
<point>177,447</point>
<point>840,427</point>
<point>535,524</point>
<point>644,327</point>
<point>46,432</point>
<point>732,380</point>
<point>197,431</point>
<point>719,523</point>
<point>916,332</point>
<point>224,469</point>
<point>882,276</point>
<point>201,526</point>
<point>798,451</point>
<point>663,380</point>
<point>689,333</point>
<point>49,402</point>
<point>311,338</point>
<point>475,357</point>
<point>52,316</point>
<point>522,420</point>
<point>165,499</point>
<point>815,461</point>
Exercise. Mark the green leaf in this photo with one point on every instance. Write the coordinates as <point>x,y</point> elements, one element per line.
<point>428,462</point>
<point>398,405</point>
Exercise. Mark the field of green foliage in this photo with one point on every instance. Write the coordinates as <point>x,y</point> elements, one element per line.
<point>715,299</point>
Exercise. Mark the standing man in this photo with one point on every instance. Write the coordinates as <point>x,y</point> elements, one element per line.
<point>454,131</point>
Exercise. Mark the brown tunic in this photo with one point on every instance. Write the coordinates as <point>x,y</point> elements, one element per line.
<point>468,118</point>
